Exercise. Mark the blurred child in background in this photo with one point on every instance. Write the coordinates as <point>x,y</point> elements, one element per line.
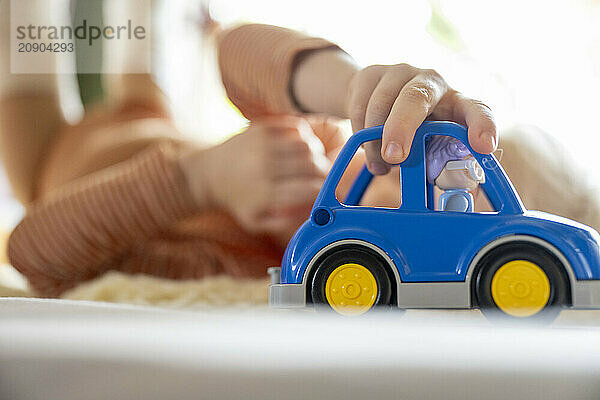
<point>122,189</point>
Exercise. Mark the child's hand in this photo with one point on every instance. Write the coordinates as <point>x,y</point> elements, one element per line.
<point>401,97</point>
<point>267,177</point>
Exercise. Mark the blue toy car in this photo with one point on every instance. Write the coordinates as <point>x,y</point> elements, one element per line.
<point>514,262</point>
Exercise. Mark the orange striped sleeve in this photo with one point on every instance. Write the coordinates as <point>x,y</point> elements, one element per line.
<point>84,228</point>
<point>256,63</point>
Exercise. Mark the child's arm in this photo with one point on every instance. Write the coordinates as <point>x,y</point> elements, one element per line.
<point>88,226</point>
<point>90,222</point>
<point>270,70</point>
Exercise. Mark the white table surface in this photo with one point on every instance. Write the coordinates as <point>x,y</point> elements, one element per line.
<point>56,349</point>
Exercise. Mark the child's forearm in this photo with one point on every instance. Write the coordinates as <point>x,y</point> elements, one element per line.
<point>320,81</point>
<point>256,64</point>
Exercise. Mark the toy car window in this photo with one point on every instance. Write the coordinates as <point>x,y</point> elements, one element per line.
<point>383,192</point>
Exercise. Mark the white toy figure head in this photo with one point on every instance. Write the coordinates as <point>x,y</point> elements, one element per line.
<point>463,174</point>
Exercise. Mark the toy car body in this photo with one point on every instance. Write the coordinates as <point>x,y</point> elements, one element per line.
<point>519,262</point>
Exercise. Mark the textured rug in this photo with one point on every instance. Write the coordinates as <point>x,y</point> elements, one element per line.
<point>220,291</point>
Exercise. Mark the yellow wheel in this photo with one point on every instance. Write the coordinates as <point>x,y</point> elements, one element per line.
<point>521,281</point>
<point>351,289</point>
<point>520,288</point>
<point>351,281</point>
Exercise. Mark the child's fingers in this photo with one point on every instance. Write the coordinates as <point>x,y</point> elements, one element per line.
<point>483,136</point>
<point>328,130</point>
<point>477,116</point>
<point>413,104</point>
<point>378,109</point>
<point>293,156</point>
<point>360,96</point>
<point>385,94</point>
<point>366,82</point>
<point>293,145</point>
<point>374,162</point>
<point>401,97</point>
